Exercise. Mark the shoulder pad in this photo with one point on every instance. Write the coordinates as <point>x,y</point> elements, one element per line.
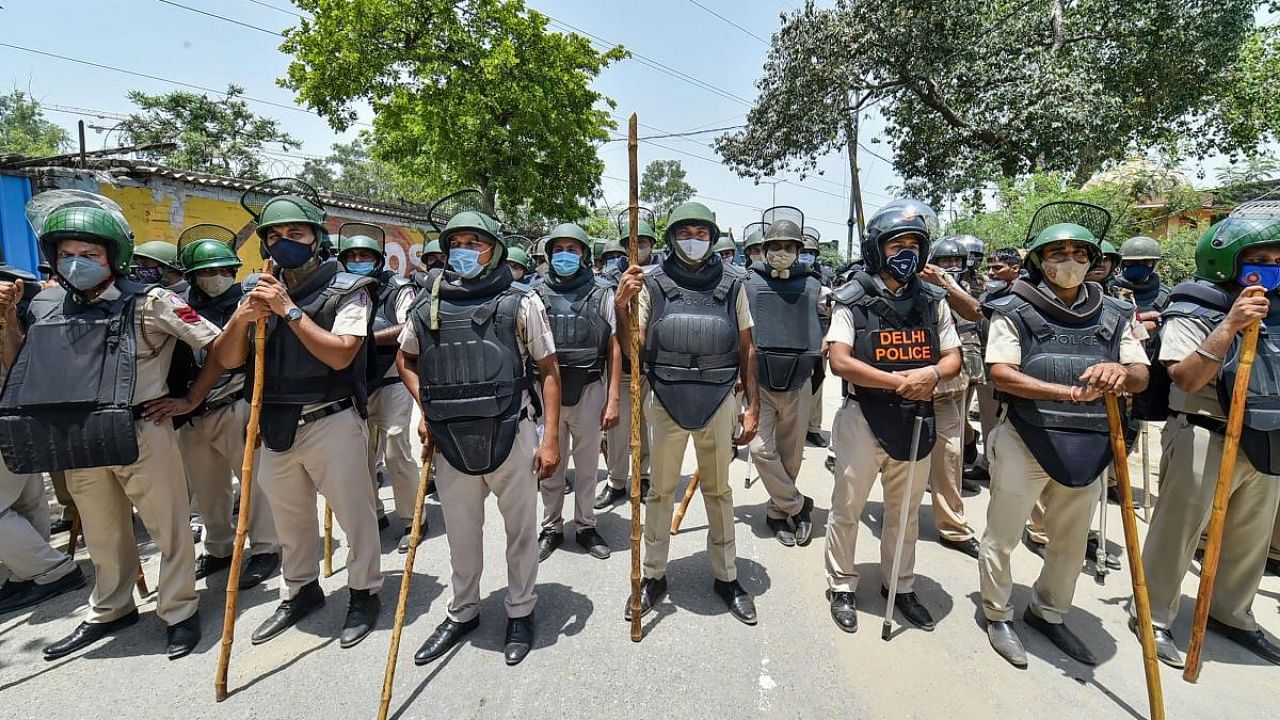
<point>734,270</point>
<point>398,282</point>
<point>345,282</point>
<point>129,287</point>
<point>650,269</point>
<point>848,293</point>
<point>602,283</point>
<point>1204,294</point>
<point>1124,306</point>
<point>933,292</point>
<point>522,289</point>
<point>1004,303</point>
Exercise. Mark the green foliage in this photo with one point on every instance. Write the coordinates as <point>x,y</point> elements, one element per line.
<point>973,90</point>
<point>350,169</point>
<point>25,131</point>
<point>221,136</point>
<point>1242,181</point>
<point>662,186</point>
<point>465,93</point>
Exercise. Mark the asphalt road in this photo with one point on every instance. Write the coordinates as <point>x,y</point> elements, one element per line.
<point>695,661</point>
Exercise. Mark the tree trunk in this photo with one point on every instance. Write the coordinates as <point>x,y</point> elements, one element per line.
<point>855,186</point>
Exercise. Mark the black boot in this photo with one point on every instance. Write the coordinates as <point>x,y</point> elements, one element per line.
<point>362,615</point>
<point>309,599</point>
<point>591,541</point>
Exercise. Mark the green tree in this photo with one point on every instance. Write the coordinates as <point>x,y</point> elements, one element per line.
<point>350,169</point>
<point>1241,181</point>
<point>221,136</point>
<point>465,93</point>
<point>973,90</point>
<point>662,186</point>
<point>25,131</point>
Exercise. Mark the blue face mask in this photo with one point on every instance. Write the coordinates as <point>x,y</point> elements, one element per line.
<point>1136,273</point>
<point>289,254</point>
<point>82,273</point>
<point>565,263</point>
<point>1266,276</point>
<point>362,268</point>
<point>618,263</point>
<point>465,262</point>
<point>807,258</point>
<point>903,265</point>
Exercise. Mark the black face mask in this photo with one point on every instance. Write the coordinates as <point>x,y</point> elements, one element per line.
<point>147,275</point>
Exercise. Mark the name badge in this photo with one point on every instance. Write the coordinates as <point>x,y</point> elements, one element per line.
<point>902,346</point>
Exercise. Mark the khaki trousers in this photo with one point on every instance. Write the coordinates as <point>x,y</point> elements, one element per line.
<point>105,498</point>
<point>391,421</point>
<point>580,440</point>
<point>619,438</point>
<point>1189,465</point>
<point>462,499</point>
<point>213,450</point>
<point>327,456</point>
<point>713,445</point>
<point>859,458</point>
<point>1274,552</point>
<point>1017,481</point>
<point>945,468</point>
<point>778,448</point>
<point>24,530</point>
<point>59,480</point>
<point>988,416</point>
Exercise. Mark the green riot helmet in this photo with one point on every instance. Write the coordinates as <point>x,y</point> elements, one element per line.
<point>518,256</point>
<point>612,249</point>
<point>1218,249</point>
<point>362,236</point>
<point>692,214</point>
<point>1110,252</point>
<point>432,255</point>
<point>1058,233</point>
<point>753,235</point>
<point>287,201</point>
<point>484,227</point>
<point>570,231</point>
<point>538,250</point>
<point>59,215</point>
<point>906,216</point>
<point>812,238</point>
<point>725,248</point>
<point>207,246</point>
<point>165,253</point>
<point>1140,247</point>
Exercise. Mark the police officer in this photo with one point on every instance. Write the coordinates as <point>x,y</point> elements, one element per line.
<point>125,453</point>
<point>580,310</point>
<point>725,248</point>
<point>1003,267</point>
<point>949,265</point>
<point>977,252</point>
<point>696,320</point>
<point>784,298</point>
<point>314,433</point>
<point>212,433</point>
<point>613,260</point>
<point>521,265</point>
<point>361,252</point>
<point>1104,272</point>
<point>432,257</point>
<point>539,254</point>
<point>1199,346</point>
<point>809,258</point>
<point>156,263</point>
<point>893,342</point>
<point>1139,258</point>
<point>37,570</point>
<point>618,439</point>
<point>753,245</point>
<point>464,355</point>
<point>1057,343</point>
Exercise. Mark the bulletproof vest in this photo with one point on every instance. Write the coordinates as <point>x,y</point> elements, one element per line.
<point>1148,296</point>
<point>894,333</point>
<point>581,332</point>
<point>1069,440</point>
<point>787,333</point>
<point>186,363</point>
<point>971,348</point>
<point>68,399</point>
<point>294,377</point>
<point>383,357</point>
<point>472,377</point>
<point>691,343</point>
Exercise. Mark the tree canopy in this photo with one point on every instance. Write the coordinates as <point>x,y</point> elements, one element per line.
<point>662,186</point>
<point>350,169</point>
<point>213,135</point>
<point>469,93</point>
<point>24,129</point>
<point>974,90</point>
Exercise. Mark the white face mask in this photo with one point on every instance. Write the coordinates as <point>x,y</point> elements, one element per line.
<point>780,259</point>
<point>693,249</point>
<point>215,285</point>
<point>1066,273</point>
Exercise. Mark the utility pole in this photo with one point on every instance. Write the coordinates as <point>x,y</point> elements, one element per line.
<point>855,187</point>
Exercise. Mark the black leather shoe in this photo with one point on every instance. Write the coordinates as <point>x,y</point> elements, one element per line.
<point>519,639</point>
<point>608,496</point>
<point>183,637</point>
<point>362,615</point>
<point>652,590</point>
<point>844,610</point>
<point>87,634</point>
<point>60,525</point>
<point>1166,649</point>
<point>969,547</point>
<point>1061,636</point>
<point>741,606</point>
<point>1032,545</point>
<point>30,593</point>
<point>815,439</point>
<point>911,608</point>
<point>1273,565</point>
<point>207,565</point>
<point>384,522</point>
<point>382,477</point>
<point>970,455</point>
<point>969,486</point>
<point>258,569</point>
<point>1005,641</point>
<point>309,599</point>
<point>803,522</point>
<point>976,473</point>
<point>593,543</point>
<point>548,540</point>
<point>403,547</point>
<point>1255,641</point>
<point>782,531</point>
<point>446,635</point>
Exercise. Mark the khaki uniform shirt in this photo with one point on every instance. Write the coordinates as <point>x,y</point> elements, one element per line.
<point>1179,338</point>
<point>162,318</point>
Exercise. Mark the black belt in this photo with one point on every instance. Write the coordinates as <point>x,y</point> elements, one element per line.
<point>326,411</point>
<point>211,407</point>
<point>1206,422</point>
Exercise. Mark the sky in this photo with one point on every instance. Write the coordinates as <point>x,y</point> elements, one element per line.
<point>721,43</point>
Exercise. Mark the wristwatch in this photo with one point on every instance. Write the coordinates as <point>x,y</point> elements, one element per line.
<point>294,314</point>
